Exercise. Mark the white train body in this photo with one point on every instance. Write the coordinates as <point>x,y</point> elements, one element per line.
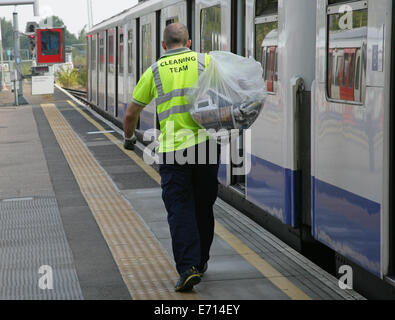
<point>320,152</point>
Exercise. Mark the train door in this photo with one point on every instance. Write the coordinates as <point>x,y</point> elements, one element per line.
<point>265,155</point>
<point>349,138</point>
<point>132,65</point>
<point>148,43</point>
<point>102,81</point>
<point>176,13</point>
<point>391,208</point>
<point>93,69</point>
<point>213,32</point>
<point>238,146</point>
<point>112,71</point>
<point>121,80</point>
<point>280,137</point>
<point>88,68</point>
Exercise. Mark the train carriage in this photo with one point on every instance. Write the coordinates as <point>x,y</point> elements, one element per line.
<point>350,158</point>
<point>315,167</point>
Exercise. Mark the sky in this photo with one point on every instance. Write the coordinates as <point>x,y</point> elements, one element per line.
<point>74,13</point>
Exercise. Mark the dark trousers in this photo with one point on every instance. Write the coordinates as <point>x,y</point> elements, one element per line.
<point>189,194</point>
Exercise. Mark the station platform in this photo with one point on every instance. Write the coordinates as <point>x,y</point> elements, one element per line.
<point>78,207</point>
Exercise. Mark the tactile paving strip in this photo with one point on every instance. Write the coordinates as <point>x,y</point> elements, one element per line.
<point>31,236</point>
<point>144,265</point>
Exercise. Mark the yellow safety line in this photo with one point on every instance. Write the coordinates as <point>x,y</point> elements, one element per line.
<point>261,265</point>
<point>258,262</point>
<point>146,269</point>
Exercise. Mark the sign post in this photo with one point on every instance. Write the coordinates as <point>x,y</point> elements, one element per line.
<point>19,99</point>
<point>2,83</point>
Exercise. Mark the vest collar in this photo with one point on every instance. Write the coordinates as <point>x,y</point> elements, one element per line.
<point>175,51</point>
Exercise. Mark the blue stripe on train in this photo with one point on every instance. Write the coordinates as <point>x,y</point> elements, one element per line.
<point>222,174</point>
<point>347,223</point>
<point>274,189</point>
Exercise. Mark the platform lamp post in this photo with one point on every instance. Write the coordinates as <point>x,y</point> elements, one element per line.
<point>19,99</point>
<point>90,14</point>
<point>2,82</point>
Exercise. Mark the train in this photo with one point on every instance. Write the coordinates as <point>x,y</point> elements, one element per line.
<point>320,174</point>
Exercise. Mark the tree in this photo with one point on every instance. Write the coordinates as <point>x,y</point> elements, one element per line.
<point>70,38</point>
<point>82,35</point>
<point>8,36</point>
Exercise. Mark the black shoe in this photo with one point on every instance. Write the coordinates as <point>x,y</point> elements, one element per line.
<point>188,280</point>
<point>202,269</point>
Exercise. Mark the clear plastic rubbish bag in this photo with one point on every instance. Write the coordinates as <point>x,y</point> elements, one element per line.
<point>230,94</point>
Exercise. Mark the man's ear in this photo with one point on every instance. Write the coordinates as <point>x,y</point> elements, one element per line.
<point>164,46</point>
<point>189,44</point>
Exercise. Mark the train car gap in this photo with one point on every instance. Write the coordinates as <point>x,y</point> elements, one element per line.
<point>392,151</point>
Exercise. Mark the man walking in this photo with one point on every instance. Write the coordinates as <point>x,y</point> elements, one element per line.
<point>189,189</point>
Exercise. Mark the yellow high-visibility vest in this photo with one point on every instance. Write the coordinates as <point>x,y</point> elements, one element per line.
<point>168,81</point>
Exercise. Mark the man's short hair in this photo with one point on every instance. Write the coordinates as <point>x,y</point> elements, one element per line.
<point>176,34</point>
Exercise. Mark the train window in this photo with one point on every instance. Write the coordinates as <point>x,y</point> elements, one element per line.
<point>352,71</point>
<point>266,40</point>
<point>130,51</point>
<point>266,52</point>
<point>269,68</point>
<point>347,38</point>
<point>264,32</point>
<point>93,54</point>
<point>50,43</point>
<point>210,26</point>
<point>121,62</point>
<point>357,73</point>
<point>338,68</point>
<point>265,7</point>
<point>111,62</point>
<point>172,20</point>
<point>102,61</point>
<point>330,67</point>
<point>345,69</point>
<point>146,46</point>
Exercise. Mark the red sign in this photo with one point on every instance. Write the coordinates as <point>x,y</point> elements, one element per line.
<point>50,46</point>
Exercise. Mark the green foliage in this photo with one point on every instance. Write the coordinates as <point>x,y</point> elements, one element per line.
<point>82,77</point>
<point>67,77</point>
<point>26,68</point>
<point>72,78</point>
<point>79,57</point>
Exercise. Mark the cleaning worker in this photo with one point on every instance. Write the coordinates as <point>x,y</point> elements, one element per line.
<point>189,189</point>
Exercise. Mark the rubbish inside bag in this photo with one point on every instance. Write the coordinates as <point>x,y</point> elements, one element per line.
<point>230,94</point>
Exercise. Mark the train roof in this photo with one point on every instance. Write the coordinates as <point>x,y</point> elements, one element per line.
<point>141,9</point>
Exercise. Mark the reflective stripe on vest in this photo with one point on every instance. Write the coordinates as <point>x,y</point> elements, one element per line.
<point>162,97</point>
<point>173,110</point>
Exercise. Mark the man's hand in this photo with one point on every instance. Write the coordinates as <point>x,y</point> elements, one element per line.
<point>129,144</point>
<point>129,125</point>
